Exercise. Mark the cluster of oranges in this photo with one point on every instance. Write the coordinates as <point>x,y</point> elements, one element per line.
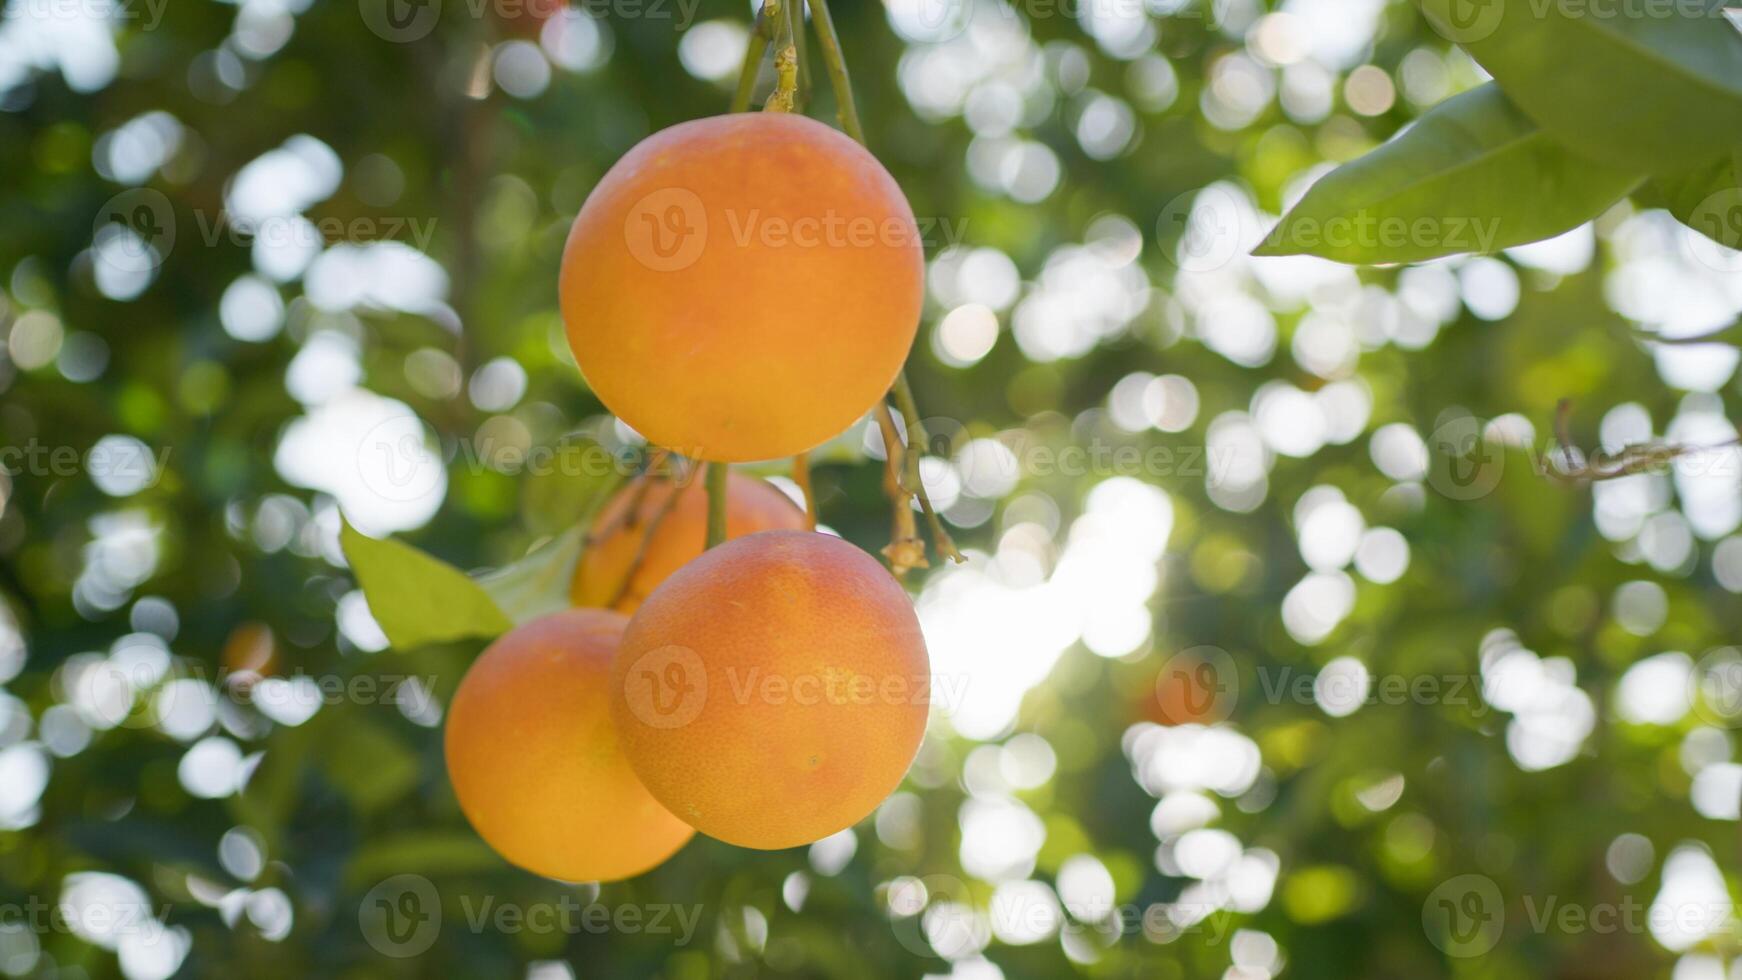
<point>737,288</point>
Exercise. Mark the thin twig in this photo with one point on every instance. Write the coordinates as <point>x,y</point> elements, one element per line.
<point>716,503</point>
<point>916,443</point>
<point>1637,457</point>
<point>1563,414</point>
<point>1730,334</point>
<point>829,41</point>
<point>678,486</point>
<point>905,549</point>
<point>801,74</point>
<point>760,34</point>
<point>637,495</point>
<point>830,44</point>
<point>785,95</point>
<point>801,475</point>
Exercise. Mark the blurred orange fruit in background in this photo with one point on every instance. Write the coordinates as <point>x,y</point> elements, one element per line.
<point>602,576</point>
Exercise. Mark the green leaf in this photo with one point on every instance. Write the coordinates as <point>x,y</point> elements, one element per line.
<point>367,762</point>
<point>565,483</point>
<point>1707,199</point>
<point>1473,174</point>
<point>418,599</point>
<point>539,583</point>
<point>1646,86</point>
<point>425,852</point>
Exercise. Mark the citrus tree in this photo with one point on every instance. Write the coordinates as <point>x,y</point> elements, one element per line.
<point>1299,430</point>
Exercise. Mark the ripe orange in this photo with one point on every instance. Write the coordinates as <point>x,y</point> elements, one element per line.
<point>774,690</point>
<point>751,505</point>
<point>534,758</point>
<point>744,286</point>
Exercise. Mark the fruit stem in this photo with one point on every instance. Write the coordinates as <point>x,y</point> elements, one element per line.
<point>716,503</point>
<point>801,475</point>
<point>905,550</point>
<point>833,57</point>
<point>760,35</point>
<point>641,483</point>
<point>917,440</point>
<point>830,43</point>
<point>801,75</point>
<point>785,97</point>
<point>679,485</point>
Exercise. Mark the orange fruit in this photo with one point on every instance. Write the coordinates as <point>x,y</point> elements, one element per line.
<point>744,286</point>
<point>751,505</point>
<point>535,761</point>
<point>774,690</point>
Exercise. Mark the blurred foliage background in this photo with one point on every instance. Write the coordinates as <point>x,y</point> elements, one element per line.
<point>1286,647</point>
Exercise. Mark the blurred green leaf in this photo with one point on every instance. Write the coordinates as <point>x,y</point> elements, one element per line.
<point>418,599</point>
<point>1708,198</point>
<point>425,852</point>
<point>538,584</point>
<point>370,765</point>
<point>568,484</point>
<point>1644,89</point>
<point>1473,174</point>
